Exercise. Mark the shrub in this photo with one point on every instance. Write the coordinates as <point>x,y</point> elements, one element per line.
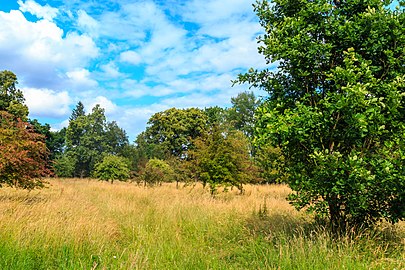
<point>157,171</point>
<point>112,168</point>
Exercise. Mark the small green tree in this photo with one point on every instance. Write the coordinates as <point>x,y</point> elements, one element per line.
<point>112,168</point>
<point>221,158</point>
<point>336,105</point>
<point>157,171</point>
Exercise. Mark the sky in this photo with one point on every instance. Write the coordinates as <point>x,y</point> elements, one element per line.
<point>134,58</point>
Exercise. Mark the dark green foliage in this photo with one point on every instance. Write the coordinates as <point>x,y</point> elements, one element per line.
<point>269,159</point>
<point>77,111</point>
<point>88,138</point>
<point>55,140</point>
<point>56,143</point>
<point>216,115</point>
<point>221,158</point>
<point>336,105</point>
<point>64,165</point>
<point>11,98</point>
<point>146,150</point>
<point>157,171</point>
<point>241,114</point>
<point>116,138</point>
<point>172,131</point>
<point>112,168</point>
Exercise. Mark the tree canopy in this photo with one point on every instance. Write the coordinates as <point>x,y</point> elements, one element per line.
<point>221,158</point>
<point>88,138</point>
<point>112,168</point>
<point>174,129</point>
<point>241,114</point>
<point>336,105</point>
<point>210,145</point>
<point>11,98</point>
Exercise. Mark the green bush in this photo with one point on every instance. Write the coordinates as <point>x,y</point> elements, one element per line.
<point>222,159</point>
<point>157,171</point>
<point>112,168</point>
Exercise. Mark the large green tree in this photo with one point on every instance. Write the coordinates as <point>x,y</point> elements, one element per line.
<point>336,104</point>
<point>242,113</point>
<point>88,139</point>
<point>173,130</point>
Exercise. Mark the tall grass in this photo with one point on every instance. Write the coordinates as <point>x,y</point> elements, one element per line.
<point>85,224</point>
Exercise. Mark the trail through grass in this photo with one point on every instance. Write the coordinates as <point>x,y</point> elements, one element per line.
<point>86,224</point>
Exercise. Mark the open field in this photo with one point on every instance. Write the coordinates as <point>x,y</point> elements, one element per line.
<point>86,224</point>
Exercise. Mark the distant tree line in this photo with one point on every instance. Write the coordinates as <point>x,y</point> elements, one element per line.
<point>212,145</point>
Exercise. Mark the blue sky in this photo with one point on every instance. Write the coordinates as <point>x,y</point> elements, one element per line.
<point>134,58</point>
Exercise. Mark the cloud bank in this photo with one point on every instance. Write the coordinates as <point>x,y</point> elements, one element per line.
<point>134,58</point>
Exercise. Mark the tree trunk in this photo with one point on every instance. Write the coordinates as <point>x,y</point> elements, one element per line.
<point>337,220</point>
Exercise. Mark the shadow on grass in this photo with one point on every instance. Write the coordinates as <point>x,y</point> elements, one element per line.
<point>264,225</point>
<point>25,198</point>
<point>272,227</point>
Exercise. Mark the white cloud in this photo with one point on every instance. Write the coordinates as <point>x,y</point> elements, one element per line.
<point>111,70</point>
<point>193,100</point>
<point>47,103</point>
<point>213,11</point>
<point>184,52</point>
<point>87,23</point>
<point>167,53</point>
<point>109,107</point>
<point>64,123</point>
<point>133,120</point>
<point>130,57</point>
<point>42,12</point>
<point>137,90</point>
<point>39,53</point>
<point>81,78</point>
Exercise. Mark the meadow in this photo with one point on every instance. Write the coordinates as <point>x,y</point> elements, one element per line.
<point>87,224</point>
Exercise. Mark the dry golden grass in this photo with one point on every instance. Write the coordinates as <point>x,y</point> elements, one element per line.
<point>97,222</point>
<point>73,206</point>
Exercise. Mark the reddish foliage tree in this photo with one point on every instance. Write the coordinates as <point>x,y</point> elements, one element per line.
<point>23,154</point>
